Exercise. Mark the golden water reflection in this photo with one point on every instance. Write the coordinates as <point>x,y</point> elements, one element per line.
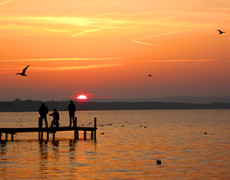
<point>128,152</point>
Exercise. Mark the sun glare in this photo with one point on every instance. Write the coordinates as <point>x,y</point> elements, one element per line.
<point>82,97</point>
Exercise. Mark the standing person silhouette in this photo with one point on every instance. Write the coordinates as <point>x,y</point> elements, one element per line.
<point>71,109</point>
<point>43,111</point>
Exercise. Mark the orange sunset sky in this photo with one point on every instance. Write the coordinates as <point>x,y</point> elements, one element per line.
<point>106,48</point>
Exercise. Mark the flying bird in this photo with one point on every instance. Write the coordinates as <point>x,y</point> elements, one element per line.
<point>220,32</point>
<point>23,71</point>
<point>150,75</point>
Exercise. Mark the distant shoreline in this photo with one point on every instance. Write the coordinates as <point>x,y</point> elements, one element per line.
<point>30,105</point>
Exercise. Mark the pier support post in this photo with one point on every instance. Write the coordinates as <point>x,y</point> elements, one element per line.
<point>84,135</point>
<point>54,136</point>
<point>6,136</point>
<point>76,133</point>
<point>12,136</point>
<point>95,126</point>
<point>0,136</point>
<point>40,128</point>
<point>41,135</point>
<point>47,135</point>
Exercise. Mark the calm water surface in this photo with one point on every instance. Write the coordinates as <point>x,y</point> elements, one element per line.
<point>127,147</point>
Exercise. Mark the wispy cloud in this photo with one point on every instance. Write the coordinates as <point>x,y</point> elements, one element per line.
<point>59,30</point>
<point>76,21</point>
<point>63,59</point>
<point>166,60</point>
<point>141,40</point>
<point>45,24</point>
<point>137,41</point>
<point>80,26</point>
<point>115,59</point>
<point>5,2</point>
<point>182,60</point>
<point>87,31</point>
<point>64,68</point>
<point>15,26</point>
<point>11,70</point>
<point>10,66</point>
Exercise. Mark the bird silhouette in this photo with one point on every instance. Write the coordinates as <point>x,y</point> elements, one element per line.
<point>23,71</point>
<point>220,32</point>
<point>150,75</point>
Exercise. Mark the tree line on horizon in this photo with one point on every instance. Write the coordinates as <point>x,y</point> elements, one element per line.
<point>32,105</point>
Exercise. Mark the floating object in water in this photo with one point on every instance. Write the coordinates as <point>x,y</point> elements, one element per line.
<point>205,133</point>
<point>122,126</point>
<point>145,127</point>
<point>158,162</point>
<point>140,126</point>
<point>150,75</point>
<point>102,133</point>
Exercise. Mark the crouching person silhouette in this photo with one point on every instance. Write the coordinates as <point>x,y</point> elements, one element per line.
<point>56,117</point>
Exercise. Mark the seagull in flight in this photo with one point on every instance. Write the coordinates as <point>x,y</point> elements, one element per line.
<point>23,71</point>
<point>220,32</point>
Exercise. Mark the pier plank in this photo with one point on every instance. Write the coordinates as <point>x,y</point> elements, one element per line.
<point>34,129</point>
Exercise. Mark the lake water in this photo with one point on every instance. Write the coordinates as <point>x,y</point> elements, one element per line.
<point>127,147</point>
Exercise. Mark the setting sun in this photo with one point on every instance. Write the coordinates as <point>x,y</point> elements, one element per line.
<point>82,97</point>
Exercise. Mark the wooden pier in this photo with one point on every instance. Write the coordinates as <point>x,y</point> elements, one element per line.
<point>51,130</point>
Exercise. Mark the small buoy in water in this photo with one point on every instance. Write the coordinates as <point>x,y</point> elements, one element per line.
<point>205,133</point>
<point>140,126</point>
<point>145,127</point>
<point>102,133</point>
<point>158,162</point>
<point>122,126</point>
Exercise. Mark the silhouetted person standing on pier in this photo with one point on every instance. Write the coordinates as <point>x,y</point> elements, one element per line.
<point>43,111</point>
<point>71,109</point>
<point>56,117</point>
